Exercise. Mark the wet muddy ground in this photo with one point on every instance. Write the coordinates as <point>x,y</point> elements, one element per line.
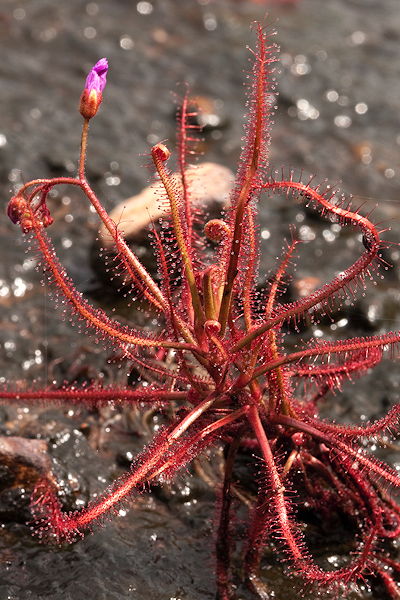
<point>337,118</point>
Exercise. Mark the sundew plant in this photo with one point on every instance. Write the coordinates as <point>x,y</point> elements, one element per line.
<point>234,379</point>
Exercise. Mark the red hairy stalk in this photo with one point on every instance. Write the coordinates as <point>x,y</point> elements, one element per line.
<point>221,356</point>
<point>96,396</point>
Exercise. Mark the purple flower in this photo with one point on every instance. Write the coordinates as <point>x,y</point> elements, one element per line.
<point>92,94</point>
<point>96,80</point>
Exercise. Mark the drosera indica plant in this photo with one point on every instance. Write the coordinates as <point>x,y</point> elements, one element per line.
<point>234,381</point>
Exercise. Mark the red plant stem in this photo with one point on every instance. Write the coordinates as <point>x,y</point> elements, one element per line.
<point>247,179</point>
<point>223,543</point>
<point>126,255</point>
<point>192,416</point>
<point>279,275</point>
<point>250,272</point>
<point>180,236</point>
<point>276,378</point>
<point>235,247</point>
<point>228,420</point>
<point>389,421</point>
<point>82,156</point>
<point>330,373</point>
<point>96,511</point>
<point>51,182</point>
<point>347,346</point>
<point>95,396</point>
<point>199,410</point>
<point>182,150</point>
<point>41,189</point>
<point>277,488</point>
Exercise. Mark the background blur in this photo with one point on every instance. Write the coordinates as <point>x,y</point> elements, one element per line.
<point>338,118</point>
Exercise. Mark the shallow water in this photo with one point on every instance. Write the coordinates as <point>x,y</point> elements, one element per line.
<point>337,117</point>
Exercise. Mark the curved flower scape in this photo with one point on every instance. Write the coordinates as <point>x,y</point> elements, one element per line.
<point>234,380</point>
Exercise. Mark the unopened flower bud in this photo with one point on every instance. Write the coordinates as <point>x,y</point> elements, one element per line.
<point>16,208</point>
<point>216,230</point>
<point>160,152</point>
<point>19,212</point>
<point>92,94</point>
<point>299,439</point>
<point>45,216</point>
<point>212,327</point>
